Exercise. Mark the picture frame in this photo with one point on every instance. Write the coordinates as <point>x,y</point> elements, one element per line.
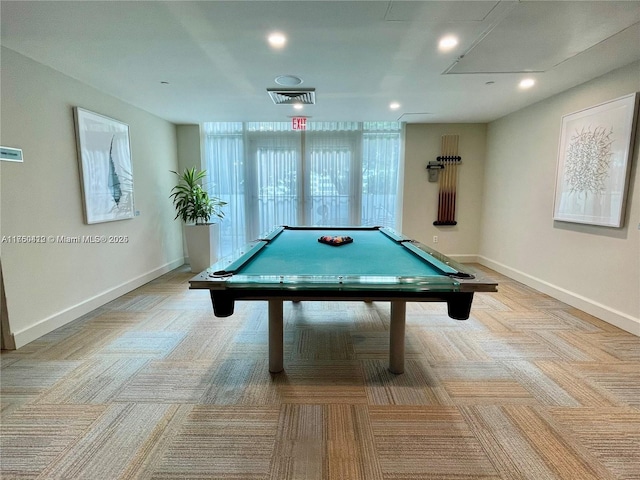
<point>106,174</point>
<point>594,163</point>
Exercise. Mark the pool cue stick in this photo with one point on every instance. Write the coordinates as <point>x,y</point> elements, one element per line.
<point>455,177</point>
<point>440,180</point>
<point>447,174</point>
<point>447,154</point>
<point>448,219</point>
<point>443,183</point>
<point>445,151</point>
<point>451,179</point>
<point>451,152</point>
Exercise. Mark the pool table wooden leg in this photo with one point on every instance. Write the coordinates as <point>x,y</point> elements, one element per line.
<point>396,336</point>
<point>276,331</point>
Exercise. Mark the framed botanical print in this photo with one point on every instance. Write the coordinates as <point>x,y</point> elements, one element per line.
<point>594,160</point>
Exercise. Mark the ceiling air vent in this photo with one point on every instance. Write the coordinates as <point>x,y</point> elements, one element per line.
<point>292,96</point>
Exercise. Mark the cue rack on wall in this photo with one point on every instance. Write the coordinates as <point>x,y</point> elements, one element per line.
<point>445,171</point>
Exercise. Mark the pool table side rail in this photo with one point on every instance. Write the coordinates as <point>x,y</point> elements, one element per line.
<point>459,278</point>
<point>327,283</point>
<point>247,254</point>
<point>330,283</point>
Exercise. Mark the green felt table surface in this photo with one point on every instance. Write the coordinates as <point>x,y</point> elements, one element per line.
<point>372,253</point>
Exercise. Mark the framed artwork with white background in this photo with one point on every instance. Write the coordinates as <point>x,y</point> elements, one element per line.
<point>594,162</point>
<point>106,174</point>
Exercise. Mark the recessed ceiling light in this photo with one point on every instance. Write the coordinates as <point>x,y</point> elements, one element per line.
<point>298,106</point>
<point>447,43</point>
<point>527,83</point>
<point>288,80</point>
<point>394,105</point>
<point>277,40</point>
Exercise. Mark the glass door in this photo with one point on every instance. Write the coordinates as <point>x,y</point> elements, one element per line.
<point>275,165</point>
<point>323,187</point>
<point>332,178</point>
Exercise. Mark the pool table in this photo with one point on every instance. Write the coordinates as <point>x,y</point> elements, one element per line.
<point>380,264</point>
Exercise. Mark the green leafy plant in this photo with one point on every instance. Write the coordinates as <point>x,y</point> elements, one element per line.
<point>192,202</point>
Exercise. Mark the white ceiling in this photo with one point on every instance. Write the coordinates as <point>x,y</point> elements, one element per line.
<point>359,55</point>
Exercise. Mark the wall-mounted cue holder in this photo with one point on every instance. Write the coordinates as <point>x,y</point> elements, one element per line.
<point>433,168</point>
<point>448,179</point>
<point>445,172</point>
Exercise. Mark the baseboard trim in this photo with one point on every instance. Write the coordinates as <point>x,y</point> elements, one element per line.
<point>607,314</point>
<point>70,314</point>
<point>464,258</point>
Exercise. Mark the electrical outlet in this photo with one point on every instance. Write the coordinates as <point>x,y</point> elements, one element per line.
<point>435,239</point>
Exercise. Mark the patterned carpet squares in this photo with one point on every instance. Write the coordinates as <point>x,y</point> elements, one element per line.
<point>153,386</point>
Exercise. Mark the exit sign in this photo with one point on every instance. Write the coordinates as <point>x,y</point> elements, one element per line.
<point>299,123</point>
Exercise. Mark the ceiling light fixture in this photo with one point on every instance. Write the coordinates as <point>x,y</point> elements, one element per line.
<point>394,105</point>
<point>298,106</point>
<point>277,40</point>
<point>447,43</point>
<point>527,83</point>
<point>288,80</point>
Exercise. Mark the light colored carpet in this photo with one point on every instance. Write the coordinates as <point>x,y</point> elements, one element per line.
<point>153,386</point>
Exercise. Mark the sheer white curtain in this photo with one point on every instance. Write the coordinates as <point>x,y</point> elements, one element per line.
<point>335,173</point>
<point>332,178</point>
<point>381,156</point>
<point>224,162</point>
<point>272,179</point>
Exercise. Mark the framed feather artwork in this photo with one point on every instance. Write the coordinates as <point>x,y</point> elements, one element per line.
<point>106,174</point>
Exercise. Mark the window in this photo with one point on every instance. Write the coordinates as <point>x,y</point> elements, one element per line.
<point>334,173</point>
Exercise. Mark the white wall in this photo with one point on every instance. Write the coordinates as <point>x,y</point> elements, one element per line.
<point>189,147</point>
<point>596,269</point>
<point>420,198</point>
<point>189,156</point>
<point>48,285</point>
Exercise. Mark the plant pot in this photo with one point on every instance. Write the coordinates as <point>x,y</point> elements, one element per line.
<point>202,245</point>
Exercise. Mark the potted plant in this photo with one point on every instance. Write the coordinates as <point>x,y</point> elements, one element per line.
<point>195,208</point>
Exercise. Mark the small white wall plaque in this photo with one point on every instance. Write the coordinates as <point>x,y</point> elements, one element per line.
<point>9,154</point>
